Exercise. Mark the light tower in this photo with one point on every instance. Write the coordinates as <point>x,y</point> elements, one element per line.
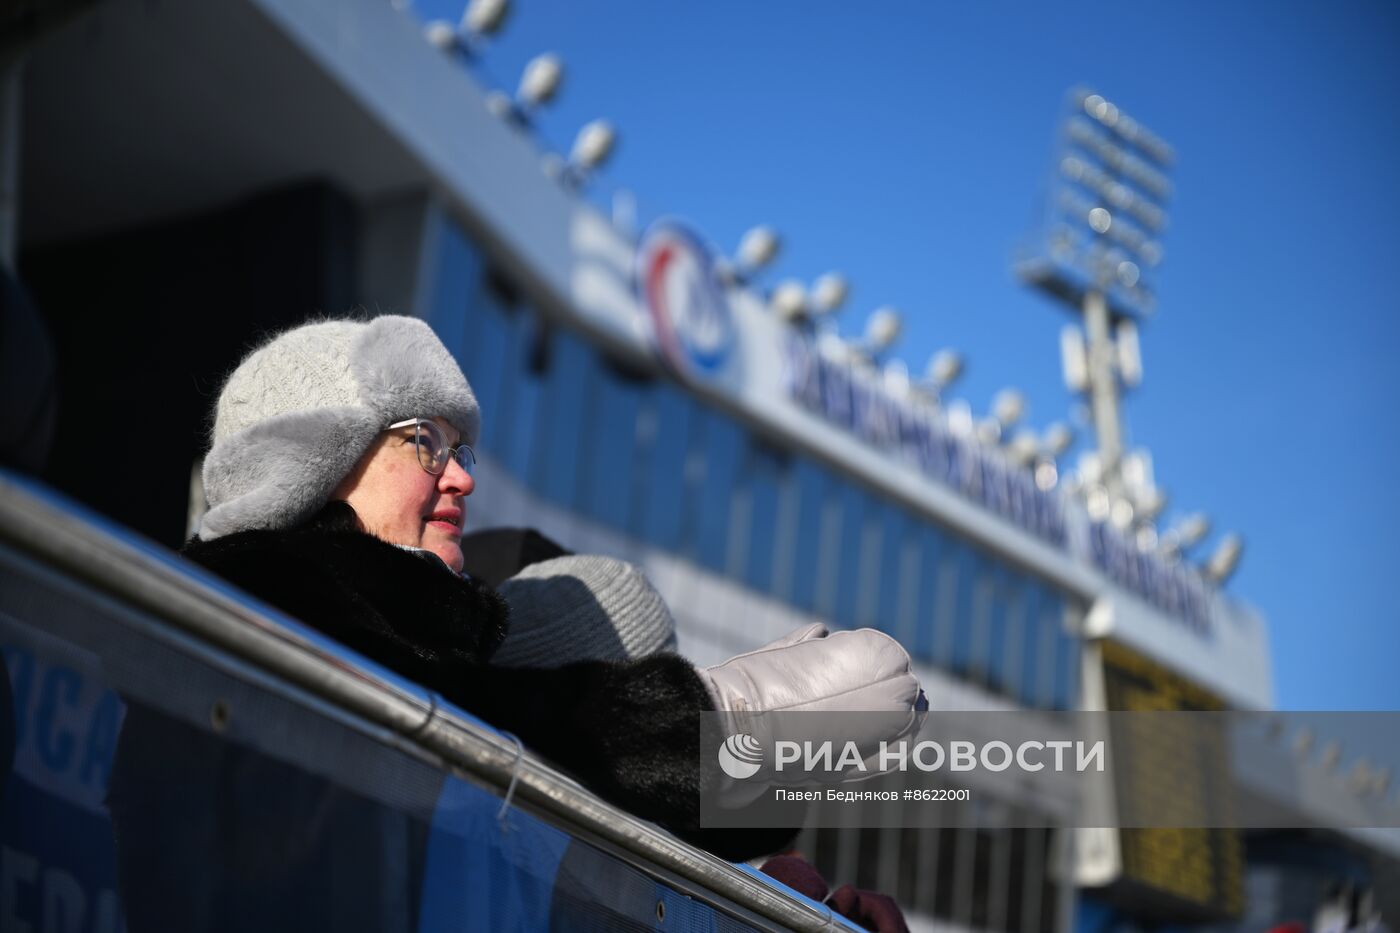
<point>1097,254</point>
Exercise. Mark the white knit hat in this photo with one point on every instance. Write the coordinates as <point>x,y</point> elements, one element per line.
<point>298,413</point>
<point>582,608</point>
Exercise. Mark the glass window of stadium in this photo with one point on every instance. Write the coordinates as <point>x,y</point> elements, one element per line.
<point>810,487</point>
<point>668,513</point>
<point>562,420</point>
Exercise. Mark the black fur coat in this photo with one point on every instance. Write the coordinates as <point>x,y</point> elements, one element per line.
<point>628,730</point>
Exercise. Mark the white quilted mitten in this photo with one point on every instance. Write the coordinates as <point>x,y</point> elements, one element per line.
<point>813,671</point>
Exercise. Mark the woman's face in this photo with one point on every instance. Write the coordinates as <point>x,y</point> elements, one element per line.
<point>400,502</point>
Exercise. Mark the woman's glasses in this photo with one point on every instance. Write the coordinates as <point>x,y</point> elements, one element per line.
<point>433,449</point>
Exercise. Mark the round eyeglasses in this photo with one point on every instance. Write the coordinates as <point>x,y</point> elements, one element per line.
<point>433,449</point>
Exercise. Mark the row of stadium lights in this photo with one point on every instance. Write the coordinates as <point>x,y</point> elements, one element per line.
<point>792,301</point>
<point>812,309</point>
<point>539,84</point>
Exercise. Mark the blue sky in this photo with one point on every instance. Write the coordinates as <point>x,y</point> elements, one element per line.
<point>909,145</point>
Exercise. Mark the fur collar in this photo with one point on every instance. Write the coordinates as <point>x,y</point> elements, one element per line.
<point>337,578</point>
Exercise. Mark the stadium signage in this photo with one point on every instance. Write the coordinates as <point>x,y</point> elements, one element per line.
<point>690,323</point>
<point>1177,589</point>
<point>855,399</point>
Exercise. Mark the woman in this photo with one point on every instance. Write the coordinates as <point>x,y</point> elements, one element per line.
<point>337,483</point>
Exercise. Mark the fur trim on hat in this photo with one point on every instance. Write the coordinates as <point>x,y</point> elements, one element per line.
<point>404,371</point>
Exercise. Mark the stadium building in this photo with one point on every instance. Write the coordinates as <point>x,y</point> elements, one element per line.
<point>189,175</point>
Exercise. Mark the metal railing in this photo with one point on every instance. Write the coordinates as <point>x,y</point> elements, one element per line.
<point>196,608</point>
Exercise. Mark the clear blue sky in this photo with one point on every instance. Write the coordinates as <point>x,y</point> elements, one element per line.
<point>909,145</point>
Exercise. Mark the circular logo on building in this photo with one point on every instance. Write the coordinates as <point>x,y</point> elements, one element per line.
<point>740,756</point>
<point>687,308</point>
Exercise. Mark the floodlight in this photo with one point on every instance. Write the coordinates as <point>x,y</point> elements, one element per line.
<point>1101,110</point>
<point>829,292</point>
<point>758,247</point>
<point>944,368</point>
<point>540,81</point>
<point>1192,529</point>
<point>485,17</point>
<point>1128,273</point>
<point>882,329</point>
<point>594,143</point>
<point>1226,559</point>
<point>1008,407</point>
<point>1135,468</point>
<point>1115,193</point>
<point>1150,504</point>
<point>1124,126</point>
<point>1117,159</point>
<point>1023,447</point>
<point>789,300</point>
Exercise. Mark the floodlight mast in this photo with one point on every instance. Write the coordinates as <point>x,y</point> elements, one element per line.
<point>1107,216</point>
<point>1103,388</point>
